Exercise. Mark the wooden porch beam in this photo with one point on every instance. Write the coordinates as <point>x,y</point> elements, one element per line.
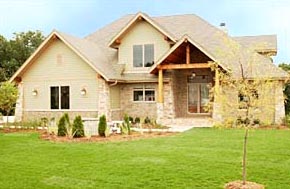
<point>187,54</point>
<point>160,86</point>
<point>183,66</point>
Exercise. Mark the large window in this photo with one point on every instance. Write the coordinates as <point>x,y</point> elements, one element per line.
<point>143,94</point>
<point>59,97</point>
<point>143,55</point>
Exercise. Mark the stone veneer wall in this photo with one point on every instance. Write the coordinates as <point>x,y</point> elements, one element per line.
<point>270,108</point>
<point>104,98</point>
<point>19,103</point>
<point>279,103</point>
<point>137,109</point>
<point>37,115</point>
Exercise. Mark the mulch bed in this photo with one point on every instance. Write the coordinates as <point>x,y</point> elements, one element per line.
<point>15,130</point>
<point>239,185</point>
<point>111,138</point>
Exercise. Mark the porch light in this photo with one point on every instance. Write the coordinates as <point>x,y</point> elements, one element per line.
<point>34,92</point>
<point>193,74</point>
<point>83,92</point>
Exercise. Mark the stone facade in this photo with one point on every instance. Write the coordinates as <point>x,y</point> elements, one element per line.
<point>140,109</point>
<point>37,115</point>
<point>19,103</point>
<point>269,108</point>
<point>279,102</point>
<point>104,98</point>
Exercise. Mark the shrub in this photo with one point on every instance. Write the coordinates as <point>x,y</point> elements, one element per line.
<point>127,124</point>
<point>137,120</point>
<point>131,119</point>
<point>102,126</point>
<point>78,127</point>
<point>44,121</point>
<point>64,126</point>
<point>61,131</point>
<point>147,120</point>
<point>256,122</point>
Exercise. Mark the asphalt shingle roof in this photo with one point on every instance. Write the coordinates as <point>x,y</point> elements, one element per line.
<point>229,52</point>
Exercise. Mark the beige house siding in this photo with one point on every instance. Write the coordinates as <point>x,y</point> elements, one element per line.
<point>58,65</point>
<point>141,33</point>
<point>115,97</point>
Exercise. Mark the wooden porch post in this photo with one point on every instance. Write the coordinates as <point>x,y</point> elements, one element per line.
<point>160,86</point>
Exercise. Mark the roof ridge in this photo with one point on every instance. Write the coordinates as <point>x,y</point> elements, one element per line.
<point>186,14</point>
<point>256,35</point>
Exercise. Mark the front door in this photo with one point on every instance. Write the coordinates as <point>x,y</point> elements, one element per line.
<point>198,97</point>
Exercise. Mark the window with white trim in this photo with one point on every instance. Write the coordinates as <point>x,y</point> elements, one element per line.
<point>143,94</point>
<point>143,55</point>
<point>59,97</point>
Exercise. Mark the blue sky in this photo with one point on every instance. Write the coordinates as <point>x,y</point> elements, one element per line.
<point>82,17</point>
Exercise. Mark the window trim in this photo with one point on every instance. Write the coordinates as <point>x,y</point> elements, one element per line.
<point>59,98</point>
<point>143,55</point>
<point>144,89</point>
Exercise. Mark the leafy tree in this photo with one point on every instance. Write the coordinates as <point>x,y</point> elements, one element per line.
<point>8,97</point>
<point>78,127</point>
<point>14,52</point>
<point>286,67</point>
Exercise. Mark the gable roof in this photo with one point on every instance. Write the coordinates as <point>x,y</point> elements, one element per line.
<point>137,17</point>
<point>228,52</point>
<point>185,38</point>
<point>90,52</point>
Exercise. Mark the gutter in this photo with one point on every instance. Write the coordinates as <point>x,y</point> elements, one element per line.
<point>113,84</point>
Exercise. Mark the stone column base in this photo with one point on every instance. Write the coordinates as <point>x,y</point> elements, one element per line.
<point>160,110</point>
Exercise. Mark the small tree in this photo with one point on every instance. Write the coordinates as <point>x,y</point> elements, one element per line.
<point>243,110</point>
<point>102,126</point>
<point>78,127</point>
<point>65,127</point>
<point>61,131</point>
<point>8,97</point>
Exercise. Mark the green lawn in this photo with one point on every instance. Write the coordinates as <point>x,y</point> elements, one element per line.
<point>200,158</point>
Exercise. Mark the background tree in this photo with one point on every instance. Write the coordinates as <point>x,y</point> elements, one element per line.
<point>14,52</point>
<point>8,97</point>
<point>286,67</point>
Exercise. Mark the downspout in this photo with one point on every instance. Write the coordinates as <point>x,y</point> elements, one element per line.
<point>113,84</point>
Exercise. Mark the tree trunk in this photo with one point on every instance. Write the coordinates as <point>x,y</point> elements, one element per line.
<point>245,157</point>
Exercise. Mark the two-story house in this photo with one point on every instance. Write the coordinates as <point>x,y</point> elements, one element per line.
<point>143,66</point>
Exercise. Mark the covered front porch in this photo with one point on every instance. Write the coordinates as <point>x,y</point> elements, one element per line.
<point>184,99</point>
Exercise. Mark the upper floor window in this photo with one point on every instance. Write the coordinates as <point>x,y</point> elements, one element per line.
<point>59,97</point>
<point>143,55</point>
